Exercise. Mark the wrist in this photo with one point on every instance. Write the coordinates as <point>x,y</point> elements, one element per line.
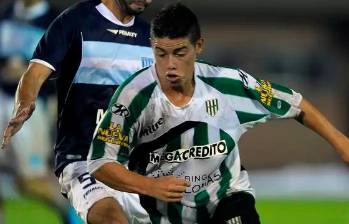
<point>145,186</point>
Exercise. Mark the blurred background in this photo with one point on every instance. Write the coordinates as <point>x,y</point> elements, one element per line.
<point>300,44</point>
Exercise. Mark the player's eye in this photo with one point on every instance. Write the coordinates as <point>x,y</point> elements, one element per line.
<point>160,54</point>
<point>181,54</point>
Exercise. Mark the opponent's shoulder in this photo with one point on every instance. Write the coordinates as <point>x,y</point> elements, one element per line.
<point>143,28</point>
<point>79,10</point>
<point>141,22</point>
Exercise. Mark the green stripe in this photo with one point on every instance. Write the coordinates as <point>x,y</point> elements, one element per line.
<point>245,117</point>
<point>122,87</point>
<point>174,212</point>
<point>139,102</point>
<point>224,182</point>
<point>228,140</point>
<point>226,86</point>
<point>281,88</point>
<point>278,106</point>
<point>284,106</point>
<point>225,173</point>
<point>235,87</point>
<point>201,134</point>
<point>201,200</point>
<point>98,146</point>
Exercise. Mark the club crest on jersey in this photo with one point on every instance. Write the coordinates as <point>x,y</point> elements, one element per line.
<point>211,107</point>
<point>265,90</point>
<point>121,110</point>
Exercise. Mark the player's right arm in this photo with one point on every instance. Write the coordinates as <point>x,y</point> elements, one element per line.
<point>166,188</point>
<point>47,57</point>
<point>26,94</point>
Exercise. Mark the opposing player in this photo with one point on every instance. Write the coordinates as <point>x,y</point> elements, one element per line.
<point>92,47</point>
<point>177,125</point>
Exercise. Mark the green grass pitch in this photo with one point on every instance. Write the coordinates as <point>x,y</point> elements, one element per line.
<point>276,211</point>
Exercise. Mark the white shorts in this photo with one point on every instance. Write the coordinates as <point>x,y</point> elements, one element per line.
<point>83,191</point>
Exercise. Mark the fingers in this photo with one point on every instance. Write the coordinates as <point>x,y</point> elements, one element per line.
<point>170,188</point>
<point>7,136</point>
<point>173,196</point>
<point>178,188</point>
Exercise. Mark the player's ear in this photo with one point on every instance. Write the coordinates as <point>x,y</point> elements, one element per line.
<point>199,46</point>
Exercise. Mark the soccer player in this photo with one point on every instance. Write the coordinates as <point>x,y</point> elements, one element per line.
<point>92,47</point>
<point>177,125</point>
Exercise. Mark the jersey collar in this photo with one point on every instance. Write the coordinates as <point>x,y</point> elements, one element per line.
<point>105,12</point>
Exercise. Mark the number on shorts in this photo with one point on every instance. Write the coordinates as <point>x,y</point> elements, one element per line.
<point>87,180</point>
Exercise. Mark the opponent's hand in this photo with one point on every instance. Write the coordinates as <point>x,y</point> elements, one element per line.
<point>22,114</point>
<point>168,188</point>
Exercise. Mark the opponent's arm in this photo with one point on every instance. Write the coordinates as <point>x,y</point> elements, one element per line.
<point>315,120</point>
<point>26,94</point>
<point>166,188</point>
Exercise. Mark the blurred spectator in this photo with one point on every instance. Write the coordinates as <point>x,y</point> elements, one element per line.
<point>22,24</point>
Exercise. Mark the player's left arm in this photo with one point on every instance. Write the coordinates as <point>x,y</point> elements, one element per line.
<point>312,118</point>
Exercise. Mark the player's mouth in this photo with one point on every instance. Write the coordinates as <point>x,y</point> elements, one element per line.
<point>138,4</point>
<point>172,77</point>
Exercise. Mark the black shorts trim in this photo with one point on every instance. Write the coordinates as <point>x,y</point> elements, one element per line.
<point>239,208</point>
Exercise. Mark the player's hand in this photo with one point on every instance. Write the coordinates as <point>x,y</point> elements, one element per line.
<point>23,113</point>
<point>168,188</point>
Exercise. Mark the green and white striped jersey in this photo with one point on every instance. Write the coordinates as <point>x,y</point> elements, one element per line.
<point>197,142</point>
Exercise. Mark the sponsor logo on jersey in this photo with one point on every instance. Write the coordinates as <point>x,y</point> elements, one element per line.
<point>113,135</point>
<point>212,107</point>
<point>121,110</point>
<point>123,33</point>
<point>266,92</point>
<point>152,128</point>
<point>195,152</point>
<point>200,181</point>
<point>244,78</point>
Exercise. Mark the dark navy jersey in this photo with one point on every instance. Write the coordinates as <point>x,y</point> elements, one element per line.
<point>92,53</point>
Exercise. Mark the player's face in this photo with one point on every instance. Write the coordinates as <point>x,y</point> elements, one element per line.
<point>135,7</point>
<point>175,59</point>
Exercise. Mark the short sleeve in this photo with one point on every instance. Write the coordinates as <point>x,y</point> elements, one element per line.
<point>56,41</point>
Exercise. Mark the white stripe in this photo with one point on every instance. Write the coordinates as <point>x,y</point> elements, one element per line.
<point>43,63</point>
<point>202,69</point>
<point>104,63</point>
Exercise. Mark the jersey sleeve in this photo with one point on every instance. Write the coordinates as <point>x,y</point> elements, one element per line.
<point>56,41</point>
<point>112,138</point>
<point>268,101</point>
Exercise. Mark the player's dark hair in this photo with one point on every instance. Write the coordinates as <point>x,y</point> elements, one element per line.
<point>176,21</point>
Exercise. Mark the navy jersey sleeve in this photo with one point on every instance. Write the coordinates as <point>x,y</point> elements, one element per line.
<point>56,41</point>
